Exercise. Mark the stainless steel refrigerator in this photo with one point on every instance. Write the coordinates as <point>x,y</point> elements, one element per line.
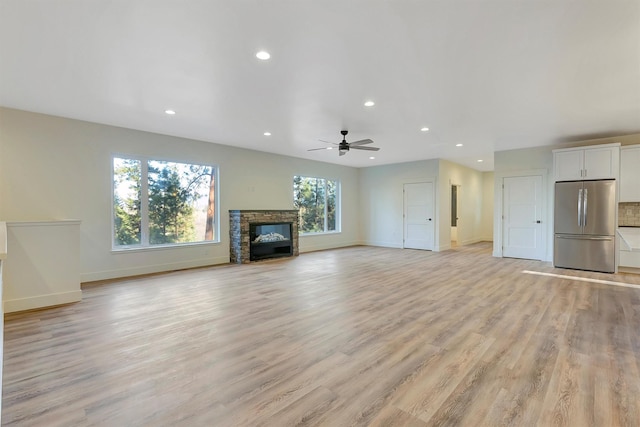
<point>585,225</point>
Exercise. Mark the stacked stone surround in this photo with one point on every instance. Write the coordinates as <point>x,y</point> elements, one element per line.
<point>239,221</point>
<point>629,214</point>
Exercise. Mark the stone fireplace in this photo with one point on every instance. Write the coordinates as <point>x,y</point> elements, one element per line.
<point>262,234</point>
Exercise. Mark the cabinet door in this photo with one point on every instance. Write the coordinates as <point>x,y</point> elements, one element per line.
<point>630,175</point>
<point>600,163</point>
<point>568,165</point>
<point>629,259</point>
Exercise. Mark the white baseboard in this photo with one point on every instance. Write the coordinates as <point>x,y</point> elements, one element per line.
<point>149,269</point>
<point>41,301</point>
<point>320,247</point>
<point>382,244</point>
<point>442,248</point>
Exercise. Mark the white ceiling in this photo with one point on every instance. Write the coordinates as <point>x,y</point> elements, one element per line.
<point>492,75</point>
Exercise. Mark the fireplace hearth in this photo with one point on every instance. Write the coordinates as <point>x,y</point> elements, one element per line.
<point>262,234</point>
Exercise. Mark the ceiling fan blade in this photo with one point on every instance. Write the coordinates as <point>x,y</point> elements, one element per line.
<point>357,147</point>
<point>316,149</point>
<point>361,142</point>
<point>328,142</point>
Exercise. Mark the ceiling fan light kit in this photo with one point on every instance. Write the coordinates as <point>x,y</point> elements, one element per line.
<point>345,146</point>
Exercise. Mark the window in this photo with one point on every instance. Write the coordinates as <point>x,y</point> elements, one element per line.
<point>318,200</point>
<point>162,203</point>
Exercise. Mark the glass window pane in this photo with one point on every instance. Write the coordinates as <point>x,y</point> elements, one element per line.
<point>126,201</point>
<point>331,205</point>
<point>181,202</point>
<point>317,201</point>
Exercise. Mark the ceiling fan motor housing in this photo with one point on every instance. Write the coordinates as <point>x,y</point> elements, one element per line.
<point>344,146</point>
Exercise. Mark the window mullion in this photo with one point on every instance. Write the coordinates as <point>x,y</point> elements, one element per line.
<point>326,207</point>
<point>144,203</point>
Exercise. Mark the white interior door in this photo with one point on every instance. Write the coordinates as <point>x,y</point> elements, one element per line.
<point>419,220</point>
<point>522,217</point>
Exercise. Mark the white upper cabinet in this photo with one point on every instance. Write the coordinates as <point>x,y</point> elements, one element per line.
<point>594,162</point>
<point>630,173</point>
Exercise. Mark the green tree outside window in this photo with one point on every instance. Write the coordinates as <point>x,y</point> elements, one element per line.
<point>317,201</point>
<point>179,208</point>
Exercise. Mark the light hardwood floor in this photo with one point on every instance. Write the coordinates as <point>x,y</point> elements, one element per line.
<point>355,336</point>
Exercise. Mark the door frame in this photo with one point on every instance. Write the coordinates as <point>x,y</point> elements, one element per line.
<point>436,213</point>
<point>498,203</point>
<point>458,189</point>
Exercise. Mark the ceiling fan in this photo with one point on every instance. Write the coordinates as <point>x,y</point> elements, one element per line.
<point>345,146</point>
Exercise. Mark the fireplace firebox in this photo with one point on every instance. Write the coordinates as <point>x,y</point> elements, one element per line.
<point>245,243</point>
<point>270,241</point>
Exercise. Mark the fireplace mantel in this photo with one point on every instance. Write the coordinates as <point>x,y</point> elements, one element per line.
<point>239,227</point>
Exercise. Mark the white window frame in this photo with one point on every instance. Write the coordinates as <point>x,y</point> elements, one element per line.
<point>144,205</point>
<point>338,207</point>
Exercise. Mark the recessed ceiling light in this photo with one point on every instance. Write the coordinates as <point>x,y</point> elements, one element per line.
<point>371,158</point>
<point>263,54</point>
<point>369,104</point>
<point>425,129</point>
<point>459,145</point>
<point>170,112</point>
<point>329,148</point>
<point>480,160</point>
<point>267,134</point>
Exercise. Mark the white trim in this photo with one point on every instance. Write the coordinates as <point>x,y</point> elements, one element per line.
<point>609,145</point>
<point>443,247</point>
<point>319,233</point>
<point>313,248</point>
<point>471,241</point>
<point>3,243</point>
<point>149,269</point>
<point>583,279</point>
<point>436,212</point>
<point>382,244</point>
<point>144,202</point>
<point>338,194</point>
<point>134,249</point>
<point>45,223</point>
<point>41,301</point>
<point>498,201</point>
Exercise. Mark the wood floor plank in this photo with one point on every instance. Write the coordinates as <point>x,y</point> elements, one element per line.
<point>353,336</point>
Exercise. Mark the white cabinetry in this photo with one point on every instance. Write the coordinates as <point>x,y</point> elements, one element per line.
<point>594,162</point>
<point>630,173</point>
<point>629,259</point>
<point>629,244</point>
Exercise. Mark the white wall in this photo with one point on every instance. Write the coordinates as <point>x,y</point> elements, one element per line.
<point>486,224</point>
<point>3,256</point>
<point>381,200</point>
<point>57,168</point>
<point>537,159</point>
<point>43,267</point>
<point>470,203</point>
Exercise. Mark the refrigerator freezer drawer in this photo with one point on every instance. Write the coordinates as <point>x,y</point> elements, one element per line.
<point>594,253</point>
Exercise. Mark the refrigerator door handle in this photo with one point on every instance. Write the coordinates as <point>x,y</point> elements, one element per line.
<point>580,207</point>
<point>582,237</point>
<point>584,209</point>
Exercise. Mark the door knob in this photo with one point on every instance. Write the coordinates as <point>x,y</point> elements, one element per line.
<point>538,222</point>
<point>429,219</point>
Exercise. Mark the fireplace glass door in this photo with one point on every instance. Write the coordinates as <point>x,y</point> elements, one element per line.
<point>270,240</point>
